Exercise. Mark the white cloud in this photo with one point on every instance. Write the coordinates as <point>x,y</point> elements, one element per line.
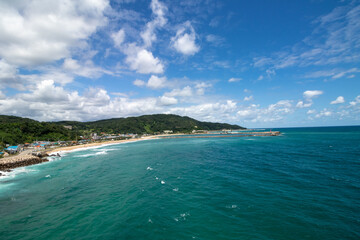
<point>261,77</point>
<point>139,83</point>
<point>311,111</point>
<point>46,92</point>
<point>356,101</point>
<point>118,38</point>
<point>215,112</point>
<point>139,58</point>
<point>156,82</point>
<point>185,92</point>
<point>309,94</point>
<point>235,79</point>
<point>272,113</point>
<point>302,104</point>
<point>338,100</point>
<point>249,98</point>
<point>8,76</point>
<point>50,102</point>
<point>148,35</point>
<point>2,95</point>
<point>143,61</point>
<point>38,32</point>
<point>84,69</point>
<point>333,73</point>
<point>343,73</point>
<point>324,113</point>
<point>166,101</point>
<point>184,41</point>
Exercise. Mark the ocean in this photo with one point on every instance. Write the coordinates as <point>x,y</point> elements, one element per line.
<point>304,184</point>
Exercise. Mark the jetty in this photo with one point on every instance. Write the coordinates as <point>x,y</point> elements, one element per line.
<point>22,160</point>
<point>227,134</point>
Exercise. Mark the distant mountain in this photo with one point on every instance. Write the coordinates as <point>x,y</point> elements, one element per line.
<point>148,124</point>
<point>14,130</point>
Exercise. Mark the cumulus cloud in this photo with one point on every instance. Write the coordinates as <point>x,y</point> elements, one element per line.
<point>166,101</point>
<point>142,60</point>
<point>338,100</point>
<point>84,69</point>
<point>38,32</point>
<point>8,76</point>
<point>156,82</point>
<point>139,57</point>
<point>208,111</point>
<point>309,94</point>
<point>184,92</point>
<point>51,102</point>
<point>184,40</point>
<point>272,113</point>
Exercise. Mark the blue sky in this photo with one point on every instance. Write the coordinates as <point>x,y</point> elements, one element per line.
<point>252,63</point>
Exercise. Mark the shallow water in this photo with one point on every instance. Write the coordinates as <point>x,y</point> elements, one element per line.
<point>304,184</point>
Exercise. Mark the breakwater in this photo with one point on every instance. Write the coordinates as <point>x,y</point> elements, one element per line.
<point>238,134</point>
<point>22,161</point>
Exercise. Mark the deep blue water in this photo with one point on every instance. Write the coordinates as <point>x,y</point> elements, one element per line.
<point>304,184</point>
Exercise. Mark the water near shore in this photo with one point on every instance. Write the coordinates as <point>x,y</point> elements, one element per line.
<point>304,184</point>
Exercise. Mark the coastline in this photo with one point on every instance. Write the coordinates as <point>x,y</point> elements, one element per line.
<point>96,144</point>
<point>27,159</point>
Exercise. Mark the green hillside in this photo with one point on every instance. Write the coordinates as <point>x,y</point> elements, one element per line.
<point>14,130</point>
<point>148,124</point>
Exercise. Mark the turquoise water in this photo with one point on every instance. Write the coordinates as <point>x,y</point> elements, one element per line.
<point>304,184</point>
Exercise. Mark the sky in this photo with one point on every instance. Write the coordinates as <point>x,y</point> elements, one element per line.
<point>254,63</point>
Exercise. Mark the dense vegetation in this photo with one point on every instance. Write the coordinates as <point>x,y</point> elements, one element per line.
<point>148,124</point>
<point>15,130</point>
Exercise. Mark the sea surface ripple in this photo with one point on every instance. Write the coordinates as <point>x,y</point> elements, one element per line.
<point>304,184</point>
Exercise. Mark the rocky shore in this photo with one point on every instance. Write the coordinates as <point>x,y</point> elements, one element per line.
<point>9,163</point>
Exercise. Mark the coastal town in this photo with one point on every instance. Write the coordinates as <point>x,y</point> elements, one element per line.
<point>26,142</point>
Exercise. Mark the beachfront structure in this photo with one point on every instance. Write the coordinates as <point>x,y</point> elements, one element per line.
<point>12,149</point>
<point>168,131</point>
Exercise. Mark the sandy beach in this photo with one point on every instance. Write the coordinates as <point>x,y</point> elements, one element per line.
<point>96,144</point>
<point>26,158</point>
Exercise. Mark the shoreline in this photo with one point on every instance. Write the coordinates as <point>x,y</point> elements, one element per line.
<point>95,145</point>
<point>28,159</point>
<point>32,158</point>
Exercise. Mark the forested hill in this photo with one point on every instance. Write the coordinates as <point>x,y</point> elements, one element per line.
<point>14,130</point>
<point>148,124</point>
